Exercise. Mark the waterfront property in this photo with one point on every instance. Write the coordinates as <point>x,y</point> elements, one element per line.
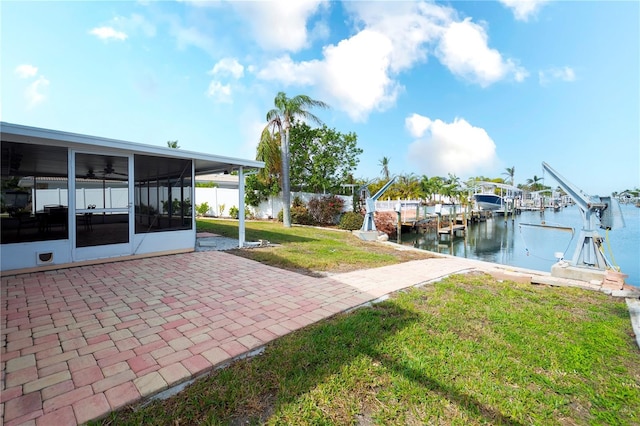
<point>69,198</point>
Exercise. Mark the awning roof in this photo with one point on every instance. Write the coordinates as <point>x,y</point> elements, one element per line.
<point>204,163</point>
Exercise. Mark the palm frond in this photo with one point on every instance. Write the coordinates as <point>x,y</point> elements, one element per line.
<point>268,150</point>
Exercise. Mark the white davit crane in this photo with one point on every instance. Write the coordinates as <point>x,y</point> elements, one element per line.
<point>604,210</point>
<point>370,205</point>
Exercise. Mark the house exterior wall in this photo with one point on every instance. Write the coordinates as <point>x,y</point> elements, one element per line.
<point>25,255</point>
<point>70,215</point>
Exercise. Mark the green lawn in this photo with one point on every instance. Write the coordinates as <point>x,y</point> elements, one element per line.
<point>308,249</point>
<point>467,350</point>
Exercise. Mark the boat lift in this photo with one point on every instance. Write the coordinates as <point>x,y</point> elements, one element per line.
<point>605,210</point>
<point>370,205</point>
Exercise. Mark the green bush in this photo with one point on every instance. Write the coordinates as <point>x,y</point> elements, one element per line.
<point>299,213</point>
<point>301,216</point>
<point>351,221</point>
<point>234,212</point>
<point>202,209</point>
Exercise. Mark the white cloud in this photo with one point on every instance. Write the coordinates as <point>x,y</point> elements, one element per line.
<point>417,125</point>
<point>228,66</point>
<point>108,33</point>
<point>356,74</point>
<point>285,70</point>
<point>26,71</point>
<point>34,92</point>
<point>281,24</point>
<point>566,74</point>
<point>359,73</point>
<point>410,27</point>
<point>191,36</point>
<point>219,92</point>
<point>456,147</point>
<point>524,9</point>
<point>135,23</point>
<point>464,50</point>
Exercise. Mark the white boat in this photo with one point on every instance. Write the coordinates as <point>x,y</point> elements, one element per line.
<point>487,199</point>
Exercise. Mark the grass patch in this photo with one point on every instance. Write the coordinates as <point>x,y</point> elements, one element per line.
<point>309,250</point>
<point>466,350</point>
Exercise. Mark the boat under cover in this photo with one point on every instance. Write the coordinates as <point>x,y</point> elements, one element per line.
<point>489,201</point>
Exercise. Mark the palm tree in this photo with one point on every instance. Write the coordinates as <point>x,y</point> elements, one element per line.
<point>384,163</point>
<point>510,171</point>
<point>407,187</point>
<point>269,151</point>
<point>534,184</point>
<point>280,118</point>
<point>431,186</point>
<point>173,144</point>
<point>452,186</point>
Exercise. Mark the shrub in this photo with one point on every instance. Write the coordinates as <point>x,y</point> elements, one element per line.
<point>301,216</point>
<point>221,207</point>
<point>351,221</point>
<point>202,209</point>
<point>234,212</point>
<point>299,213</point>
<point>297,202</point>
<point>386,222</point>
<point>326,210</point>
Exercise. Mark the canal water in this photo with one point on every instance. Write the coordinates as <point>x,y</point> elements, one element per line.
<point>516,243</point>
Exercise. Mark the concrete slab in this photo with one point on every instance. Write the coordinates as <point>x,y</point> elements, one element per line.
<point>634,312</point>
<point>366,235</point>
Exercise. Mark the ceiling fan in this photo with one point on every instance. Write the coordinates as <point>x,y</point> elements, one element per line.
<point>109,170</point>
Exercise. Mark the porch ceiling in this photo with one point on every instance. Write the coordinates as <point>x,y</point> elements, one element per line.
<point>55,165</point>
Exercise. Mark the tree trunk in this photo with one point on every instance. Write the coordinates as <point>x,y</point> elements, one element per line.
<point>286,187</point>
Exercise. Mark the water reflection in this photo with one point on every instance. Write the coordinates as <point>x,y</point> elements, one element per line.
<point>516,243</point>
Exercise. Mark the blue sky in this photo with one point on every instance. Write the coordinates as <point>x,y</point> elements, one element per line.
<point>468,88</point>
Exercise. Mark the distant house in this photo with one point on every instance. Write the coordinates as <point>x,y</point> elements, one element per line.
<point>69,198</point>
<point>221,180</point>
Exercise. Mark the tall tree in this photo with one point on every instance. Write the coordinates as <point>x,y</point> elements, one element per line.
<point>406,187</point>
<point>266,182</point>
<point>269,151</point>
<point>535,184</point>
<point>321,158</point>
<point>431,186</point>
<point>451,187</point>
<point>384,163</point>
<point>279,119</point>
<point>510,171</point>
<point>173,144</point>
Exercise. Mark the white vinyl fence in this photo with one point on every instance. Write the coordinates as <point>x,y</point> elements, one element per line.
<point>217,198</point>
<point>220,200</point>
<point>111,198</point>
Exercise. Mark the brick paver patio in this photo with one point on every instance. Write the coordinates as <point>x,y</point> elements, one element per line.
<point>78,343</point>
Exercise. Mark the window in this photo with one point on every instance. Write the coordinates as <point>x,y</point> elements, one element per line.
<point>163,194</point>
<point>34,200</point>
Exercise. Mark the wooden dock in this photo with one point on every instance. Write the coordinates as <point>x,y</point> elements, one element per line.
<point>453,229</point>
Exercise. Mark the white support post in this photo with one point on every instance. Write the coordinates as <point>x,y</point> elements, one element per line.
<point>241,234</point>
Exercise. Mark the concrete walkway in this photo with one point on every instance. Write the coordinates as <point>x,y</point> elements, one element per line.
<point>78,343</point>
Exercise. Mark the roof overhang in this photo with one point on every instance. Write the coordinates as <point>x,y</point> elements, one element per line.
<point>204,163</point>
